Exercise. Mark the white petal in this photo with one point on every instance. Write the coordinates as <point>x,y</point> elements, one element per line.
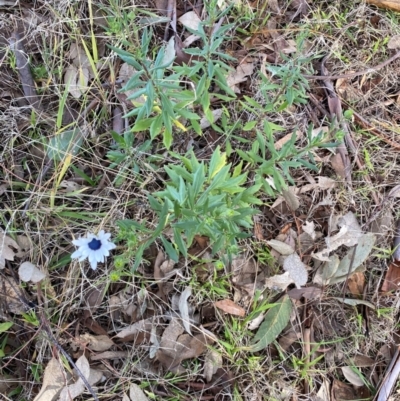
<point>104,236</point>
<point>76,254</point>
<point>99,256</point>
<point>93,264</point>
<point>82,258</point>
<point>109,245</point>
<point>92,257</point>
<point>80,241</point>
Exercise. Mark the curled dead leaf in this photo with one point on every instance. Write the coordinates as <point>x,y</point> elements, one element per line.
<point>228,306</point>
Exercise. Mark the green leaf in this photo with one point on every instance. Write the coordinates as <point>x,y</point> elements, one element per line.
<point>143,125</point>
<point>218,160</point>
<point>179,242</point>
<point>155,127</point>
<point>67,142</point>
<point>274,322</point>
<point>249,125</point>
<point>169,249</point>
<point>5,326</point>
<point>118,139</point>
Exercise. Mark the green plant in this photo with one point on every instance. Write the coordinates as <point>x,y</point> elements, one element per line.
<point>199,199</point>
<point>167,102</point>
<point>130,159</point>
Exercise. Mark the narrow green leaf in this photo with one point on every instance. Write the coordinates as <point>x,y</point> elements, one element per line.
<point>5,326</point>
<point>179,242</point>
<point>249,125</point>
<point>218,160</point>
<point>169,249</point>
<point>274,322</point>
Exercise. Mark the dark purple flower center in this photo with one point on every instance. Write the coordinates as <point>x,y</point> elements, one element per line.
<point>94,244</point>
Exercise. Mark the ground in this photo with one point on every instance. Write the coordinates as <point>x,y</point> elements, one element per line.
<point>252,207</point>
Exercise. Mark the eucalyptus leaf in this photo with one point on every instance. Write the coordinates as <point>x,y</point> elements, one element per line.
<point>355,302</point>
<point>274,322</point>
<point>350,264</point>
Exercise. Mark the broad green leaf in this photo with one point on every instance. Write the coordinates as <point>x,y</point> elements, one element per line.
<point>67,142</point>
<point>143,125</point>
<point>274,322</point>
<point>5,326</point>
<point>155,127</point>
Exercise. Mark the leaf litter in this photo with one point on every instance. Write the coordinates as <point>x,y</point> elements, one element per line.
<point>171,323</point>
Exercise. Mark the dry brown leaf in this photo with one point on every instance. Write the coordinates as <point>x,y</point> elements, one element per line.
<point>54,380</point>
<point>239,75</point>
<point>96,343</point>
<point>93,376</point>
<point>137,331</point>
<point>287,339</point>
<point>352,376</point>
<point>184,308</point>
<point>110,355</point>
<point>343,392</point>
<point>306,292</point>
<point>176,347</point>
<point>338,165</point>
<point>212,362</point>
<point>356,283</point>
<point>324,393</point>
<point>281,247</point>
<point>392,277</point>
<point>309,228</point>
<point>279,281</point>
<point>362,361</point>
<point>10,300</point>
<point>296,269</point>
<point>135,394</point>
<point>8,249</point>
<point>228,306</point>
<point>349,235</point>
<point>76,79</point>
<point>190,20</point>
<point>278,144</point>
<point>386,4</point>
<point>291,199</point>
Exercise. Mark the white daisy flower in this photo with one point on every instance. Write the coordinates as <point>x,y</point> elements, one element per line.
<point>94,247</point>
